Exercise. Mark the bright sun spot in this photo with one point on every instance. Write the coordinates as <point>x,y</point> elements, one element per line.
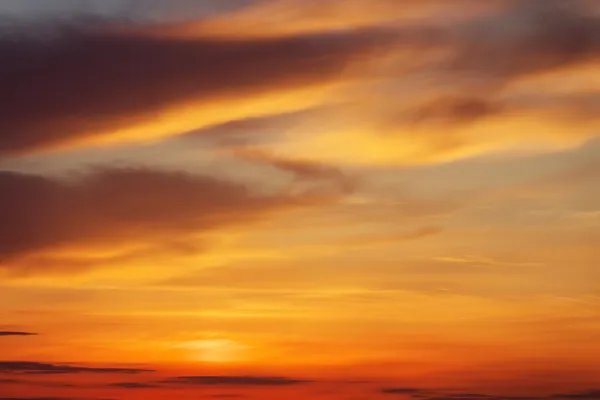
<point>215,350</point>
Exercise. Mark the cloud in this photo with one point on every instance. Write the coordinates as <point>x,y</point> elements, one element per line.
<point>534,36</point>
<point>51,398</point>
<point>91,84</point>
<point>440,394</point>
<point>521,79</point>
<point>586,395</point>
<point>312,266</point>
<point>473,80</point>
<point>45,398</point>
<point>293,17</point>
<point>403,390</point>
<point>112,206</point>
<point>235,381</point>
<point>113,9</point>
<point>428,394</point>
<point>16,333</point>
<point>303,171</point>
<point>40,383</point>
<point>39,368</point>
<point>488,397</point>
<point>133,385</point>
<point>248,131</point>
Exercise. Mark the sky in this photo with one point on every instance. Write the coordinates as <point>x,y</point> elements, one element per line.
<point>300,199</point>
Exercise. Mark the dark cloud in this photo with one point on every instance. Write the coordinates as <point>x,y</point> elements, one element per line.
<point>133,385</point>
<point>476,396</point>
<point>39,398</point>
<point>49,398</point>
<point>434,394</point>
<point>486,397</point>
<point>39,368</point>
<point>403,390</point>
<point>456,110</point>
<point>82,82</point>
<point>106,205</point>
<point>462,110</point>
<point>235,381</point>
<point>537,35</point>
<point>37,383</point>
<point>16,333</point>
<point>586,395</point>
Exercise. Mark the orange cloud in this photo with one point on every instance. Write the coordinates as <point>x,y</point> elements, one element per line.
<point>496,84</point>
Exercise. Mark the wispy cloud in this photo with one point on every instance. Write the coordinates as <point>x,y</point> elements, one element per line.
<point>101,82</point>
<point>241,380</point>
<point>39,368</point>
<point>109,205</point>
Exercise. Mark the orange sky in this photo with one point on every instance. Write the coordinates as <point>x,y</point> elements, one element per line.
<point>294,199</point>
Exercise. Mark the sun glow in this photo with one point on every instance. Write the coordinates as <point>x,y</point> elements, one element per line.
<point>216,350</point>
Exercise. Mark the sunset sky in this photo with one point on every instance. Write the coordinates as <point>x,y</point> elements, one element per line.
<point>300,199</point>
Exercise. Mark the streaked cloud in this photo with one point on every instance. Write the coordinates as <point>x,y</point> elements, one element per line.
<point>241,380</point>
<point>112,205</point>
<point>395,198</point>
<point>134,385</point>
<point>91,82</point>
<point>293,17</point>
<point>40,368</point>
<point>16,333</point>
<point>590,394</point>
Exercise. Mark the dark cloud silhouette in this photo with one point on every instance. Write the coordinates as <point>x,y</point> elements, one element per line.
<point>235,381</point>
<point>133,385</point>
<point>39,368</point>
<point>108,205</point>
<point>49,398</point>
<point>16,333</point>
<point>436,394</point>
<point>42,383</point>
<point>585,395</point>
<point>403,390</point>
<point>88,81</point>
<point>39,398</point>
<point>473,396</point>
